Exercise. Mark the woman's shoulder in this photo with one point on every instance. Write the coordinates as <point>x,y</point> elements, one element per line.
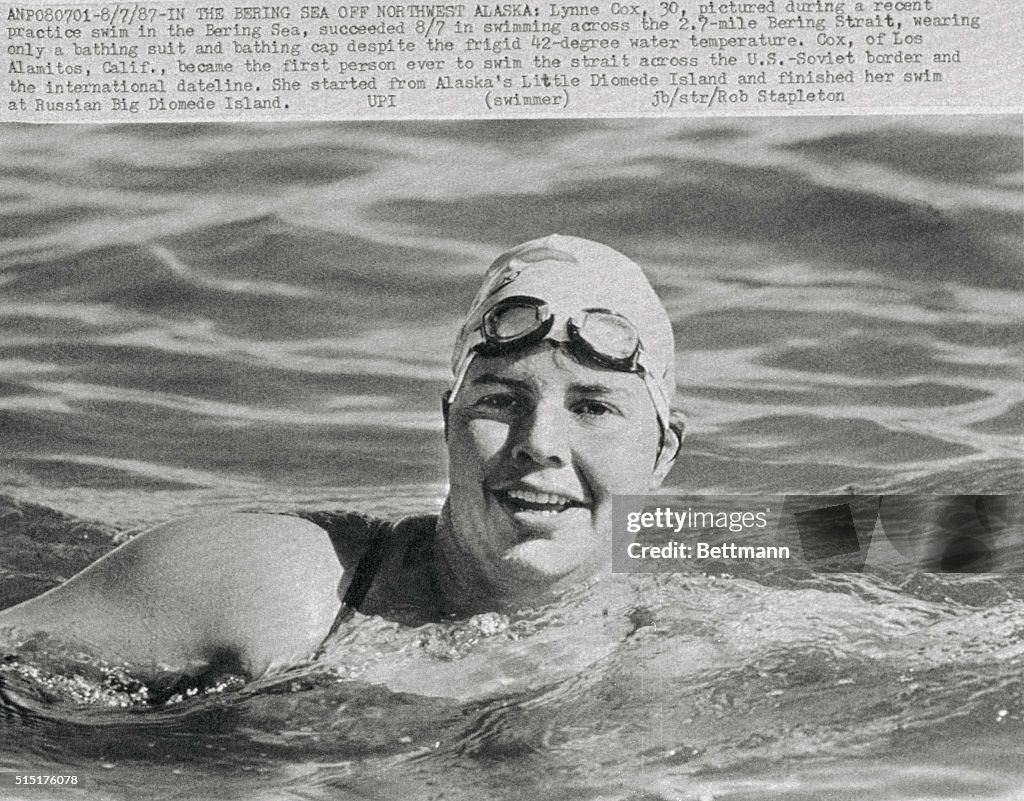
<point>233,534</point>
<point>356,532</point>
<point>260,588</point>
<point>298,536</point>
<point>342,525</point>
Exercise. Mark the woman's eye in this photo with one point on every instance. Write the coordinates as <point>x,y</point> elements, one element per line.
<point>593,408</point>
<point>498,401</point>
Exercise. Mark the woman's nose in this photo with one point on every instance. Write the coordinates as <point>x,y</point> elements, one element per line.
<point>542,437</point>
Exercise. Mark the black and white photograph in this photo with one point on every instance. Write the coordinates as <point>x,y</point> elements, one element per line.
<point>310,436</point>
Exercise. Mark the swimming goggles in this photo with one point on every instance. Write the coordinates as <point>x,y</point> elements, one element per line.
<point>593,336</point>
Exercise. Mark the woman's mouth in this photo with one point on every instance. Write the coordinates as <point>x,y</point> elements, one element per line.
<point>529,504</point>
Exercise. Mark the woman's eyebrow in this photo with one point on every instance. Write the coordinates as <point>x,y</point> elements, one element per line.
<point>493,378</point>
<point>595,389</point>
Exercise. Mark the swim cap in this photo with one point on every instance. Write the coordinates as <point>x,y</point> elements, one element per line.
<point>577,275</point>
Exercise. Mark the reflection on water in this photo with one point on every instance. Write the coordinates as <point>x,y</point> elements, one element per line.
<point>199,317</point>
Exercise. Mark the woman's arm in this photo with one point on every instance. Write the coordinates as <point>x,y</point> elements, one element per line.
<point>244,591</point>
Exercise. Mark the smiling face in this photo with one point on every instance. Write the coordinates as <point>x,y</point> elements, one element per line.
<point>538,444</point>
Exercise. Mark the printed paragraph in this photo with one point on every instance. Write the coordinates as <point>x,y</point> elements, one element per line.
<point>171,61</point>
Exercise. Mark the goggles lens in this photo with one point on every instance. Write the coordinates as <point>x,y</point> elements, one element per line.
<point>610,336</point>
<point>512,321</point>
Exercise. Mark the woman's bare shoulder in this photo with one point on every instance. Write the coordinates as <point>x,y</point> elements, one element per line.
<point>262,586</point>
<point>237,534</point>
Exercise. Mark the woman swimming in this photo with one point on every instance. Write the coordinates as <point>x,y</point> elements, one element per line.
<point>562,384</point>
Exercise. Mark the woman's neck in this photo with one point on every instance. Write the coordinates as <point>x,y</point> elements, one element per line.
<point>468,587</point>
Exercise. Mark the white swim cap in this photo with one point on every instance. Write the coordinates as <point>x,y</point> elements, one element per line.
<point>575,276</point>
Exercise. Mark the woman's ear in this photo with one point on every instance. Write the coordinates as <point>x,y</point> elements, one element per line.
<point>446,403</point>
<point>670,445</point>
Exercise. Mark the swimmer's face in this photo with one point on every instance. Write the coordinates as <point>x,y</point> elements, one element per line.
<point>538,444</point>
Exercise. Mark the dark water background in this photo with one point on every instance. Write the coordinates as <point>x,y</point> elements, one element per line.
<point>206,317</point>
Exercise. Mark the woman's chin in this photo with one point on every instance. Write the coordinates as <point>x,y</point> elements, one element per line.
<point>544,560</point>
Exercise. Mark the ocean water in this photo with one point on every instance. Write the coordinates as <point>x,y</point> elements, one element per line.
<point>209,317</point>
